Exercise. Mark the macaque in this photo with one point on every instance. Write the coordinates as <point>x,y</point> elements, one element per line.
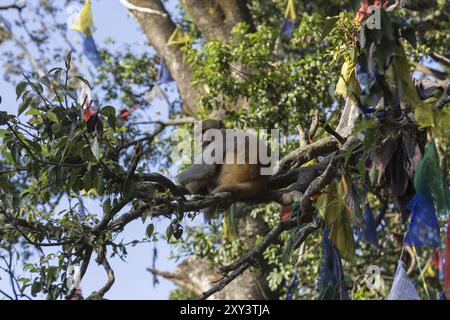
<point>242,179</point>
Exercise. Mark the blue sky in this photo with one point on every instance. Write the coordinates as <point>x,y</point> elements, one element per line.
<point>132,279</point>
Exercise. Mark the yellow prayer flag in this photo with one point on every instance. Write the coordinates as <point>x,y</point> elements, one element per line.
<point>348,85</point>
<point>178,37</point>
<point>290,11</point>
<point>84,22</point>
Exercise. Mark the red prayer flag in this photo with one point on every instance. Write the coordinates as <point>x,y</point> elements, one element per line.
<point>447,263</point>
<point>88,113</point>
<point>124,114</point>
<point>285,213</point>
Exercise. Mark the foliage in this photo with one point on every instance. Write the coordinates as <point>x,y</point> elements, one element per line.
<point>64,148</point>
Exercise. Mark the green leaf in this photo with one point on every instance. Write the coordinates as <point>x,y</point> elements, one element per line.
<point>24,105</point>
<point>169,232</point>
<point>107,206</point>
<point>100,185</point>
<point>410,35</point>
<point>68,60</point>
<point>35,146</point>
<point>45,81</point>
<point>36,288</point>
<point>84,81</point>
<point>128,188</point>
<point>95,148</point>
<point>150,230</point>
<point>110,113</point>
<point>52,117</point>
<point>3,118</point>
<point>20,88</point>
<point>330,23</point>
<point>386,25</point>
<point>355,4</point>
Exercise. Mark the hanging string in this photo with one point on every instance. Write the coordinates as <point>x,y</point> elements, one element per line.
<point>131,6</point>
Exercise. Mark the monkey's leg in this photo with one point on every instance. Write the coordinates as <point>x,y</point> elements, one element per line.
<point>242,190</point>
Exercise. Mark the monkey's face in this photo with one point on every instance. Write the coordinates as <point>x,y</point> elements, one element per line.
<point>207,125</point>
<point>211,124</point>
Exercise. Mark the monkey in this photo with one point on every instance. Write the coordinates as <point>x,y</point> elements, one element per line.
<point>243,180</point>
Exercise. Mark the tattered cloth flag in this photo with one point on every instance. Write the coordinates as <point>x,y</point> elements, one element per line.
<point>91,51</point>
<point>84,24</point>
<point>369,229</point>
<point>331,277</point>
<point>423,229</point>
<point>429,181</point>
<point>402,287</point>
<point>290,19</point>
<point>447,263</point>
<point>164,73</point>
<point>338,218</point>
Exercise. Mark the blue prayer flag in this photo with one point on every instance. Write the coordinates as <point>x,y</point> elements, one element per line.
<point>369,229</point>
<point>90,49</point>
<point>423,229</point>
<point>331,277</point>
<point>164,73</point>
<point>292,286</point>
<point>287,28</point>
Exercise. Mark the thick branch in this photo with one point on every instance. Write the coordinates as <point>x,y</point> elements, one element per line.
<point>178,280</point>
<point>300,156</point>
<point>208,18</point>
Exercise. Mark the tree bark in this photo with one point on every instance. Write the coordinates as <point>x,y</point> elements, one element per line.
<point>197,275</point>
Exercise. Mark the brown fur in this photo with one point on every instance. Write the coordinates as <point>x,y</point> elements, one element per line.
<point>243,181</point>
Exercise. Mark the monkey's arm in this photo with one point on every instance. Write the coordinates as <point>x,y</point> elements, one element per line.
<point>197,177</point>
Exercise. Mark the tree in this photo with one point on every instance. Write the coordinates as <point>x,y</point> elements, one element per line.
<point>340,90</point>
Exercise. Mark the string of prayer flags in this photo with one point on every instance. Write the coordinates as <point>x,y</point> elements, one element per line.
<point>447,263</point>
<point>429,181</point>
<point>331,282</point>
<point>402,287</point>
<point>333,209</point>
<point>423,229</point>
<point>369,228</point>
<point>290,19</point>
<point>164,73</point>
<point>178,37</point>
<point>84,24</point>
